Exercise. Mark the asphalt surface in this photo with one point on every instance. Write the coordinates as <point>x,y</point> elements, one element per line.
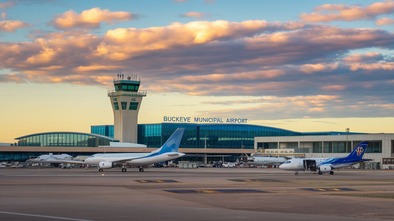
<point>194,194</point>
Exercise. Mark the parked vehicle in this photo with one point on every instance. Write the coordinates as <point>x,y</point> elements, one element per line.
<point>228,164</point>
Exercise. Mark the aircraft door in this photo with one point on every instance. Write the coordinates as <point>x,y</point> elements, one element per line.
<point>310,165</point>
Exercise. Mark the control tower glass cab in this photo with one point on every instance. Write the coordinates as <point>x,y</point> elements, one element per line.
<point>126,101</point>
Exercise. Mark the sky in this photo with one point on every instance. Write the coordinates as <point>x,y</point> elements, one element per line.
<point>304,66</point>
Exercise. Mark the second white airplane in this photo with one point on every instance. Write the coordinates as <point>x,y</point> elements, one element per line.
<point>169,151</point>
<point>265,161</point>
<point>326,165</point>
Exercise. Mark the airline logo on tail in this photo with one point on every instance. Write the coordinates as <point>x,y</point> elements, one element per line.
<point>359,150</point>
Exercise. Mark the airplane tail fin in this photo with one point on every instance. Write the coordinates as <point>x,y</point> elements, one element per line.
<point>358,152</point>
<point>173,143</point>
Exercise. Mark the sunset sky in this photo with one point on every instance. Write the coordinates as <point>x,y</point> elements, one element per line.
<point>297,65</point>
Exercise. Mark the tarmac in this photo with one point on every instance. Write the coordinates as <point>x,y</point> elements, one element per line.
<point>195,194</point>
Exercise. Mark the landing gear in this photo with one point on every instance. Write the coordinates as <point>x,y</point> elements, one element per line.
<point>320,173</point>
<point>100,170</point>
<point>296,173</point>
<point>141,169</point>
<point>331,172</point>
<point>124,169</point>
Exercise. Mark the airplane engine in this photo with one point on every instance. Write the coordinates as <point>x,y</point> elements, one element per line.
<point>105,165</point>
<point>325,168</point>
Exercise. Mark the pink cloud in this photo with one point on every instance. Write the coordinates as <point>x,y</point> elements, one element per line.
<point>196,15</point>
<point>124,43</point>
<point>91,18</point>
<point>334,88</point>
<point>387,66</point>
<point>312,68</point>
<point>11,26</point>
<point>367,57</point>
<point>385,21</point>
<point>198,58</point>
<point>328,12</point>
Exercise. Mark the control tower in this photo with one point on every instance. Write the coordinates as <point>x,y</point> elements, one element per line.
<point>126,101</point>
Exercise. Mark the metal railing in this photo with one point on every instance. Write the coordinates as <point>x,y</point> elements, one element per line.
<point>113,93</point>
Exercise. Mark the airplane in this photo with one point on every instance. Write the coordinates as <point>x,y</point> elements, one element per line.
<point>53,159</point>
<point>265,161</point>
<point>50,157</point>
<point>326,165</point>
<point>168,151</point>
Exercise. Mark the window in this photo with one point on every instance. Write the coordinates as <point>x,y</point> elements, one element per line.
<point>133,106</point>
<point>124,105</point>
<point>116,105</point>
<point>317,147</point>
<point>327,148</point>
<point>339,147</point>
<point>388,160</point>
<point>374,147</point>
<point>392,146</point>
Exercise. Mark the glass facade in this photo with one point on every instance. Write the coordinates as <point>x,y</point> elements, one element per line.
<point>229,136</point>
<point>104,130</point>
<point>322,146</point>
<point>64,139</point>
<point>127,85</point>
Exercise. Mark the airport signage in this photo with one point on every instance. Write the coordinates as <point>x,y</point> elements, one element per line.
<point>214,120</point>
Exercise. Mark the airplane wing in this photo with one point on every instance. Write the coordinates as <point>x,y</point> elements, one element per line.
<point>122,160</point>
<point>126,159</point>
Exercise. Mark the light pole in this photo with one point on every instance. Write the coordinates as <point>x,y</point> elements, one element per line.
<point>347,134</point>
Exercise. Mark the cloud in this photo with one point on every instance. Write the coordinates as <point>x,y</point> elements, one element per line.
<point>311,106</point>
<point>364,58</point>
<point>122,43</point>
<point>7,4</point>
<point>195,15</point>
<point>91,18</point>
<point>11,26</point>
<point>332,12</point>
<point>312,68</point>
<point>295,70</point>
<point>385,21</point>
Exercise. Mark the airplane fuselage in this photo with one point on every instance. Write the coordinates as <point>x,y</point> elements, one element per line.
<point>297,164</point>
<point>261,161</point>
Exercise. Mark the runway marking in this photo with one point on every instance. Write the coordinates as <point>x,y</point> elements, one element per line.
<point>212,191</point>
<point>43,216</point>
<point>157,181</point>
<point>254,180</point>
<point>328,189</point>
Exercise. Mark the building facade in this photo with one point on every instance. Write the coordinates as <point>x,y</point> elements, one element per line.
<point>380,146</point>
<point>216,136</point>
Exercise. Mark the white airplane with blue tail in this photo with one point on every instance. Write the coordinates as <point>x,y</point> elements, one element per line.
<point>169,151</point>
<point>326,165</point>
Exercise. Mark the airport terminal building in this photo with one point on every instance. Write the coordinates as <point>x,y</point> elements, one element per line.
<point>207,139</point>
